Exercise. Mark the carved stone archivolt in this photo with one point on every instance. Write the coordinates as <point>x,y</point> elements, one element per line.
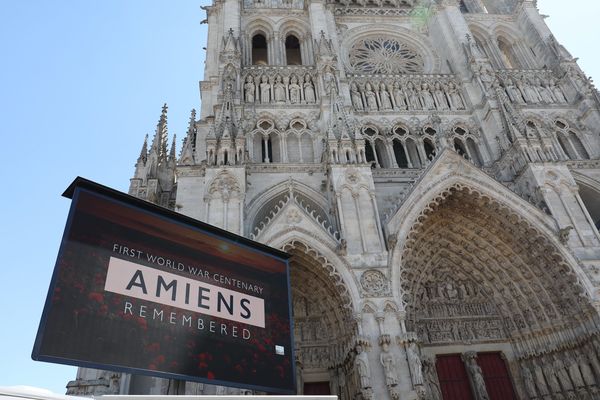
<point>505,277</point>
<point>375,284</point>
<point>321,309</point>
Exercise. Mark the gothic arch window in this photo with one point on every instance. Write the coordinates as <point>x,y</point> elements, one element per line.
<point>429,148</point>
<point>413,153</point>
<point>260,50</point>
<point>293,53</point>
<point>465,144</point>
<point>591,199</point>
<point>570,141</point>
<point>400,154</point>
<point>507,53</point>
<point>383,54</point>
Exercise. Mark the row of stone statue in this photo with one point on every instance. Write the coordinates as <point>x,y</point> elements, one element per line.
<point>279,90</point>
<point>390,367</point>
<point>410,95</point>
<point>531,89</point>
<point>573,374</point>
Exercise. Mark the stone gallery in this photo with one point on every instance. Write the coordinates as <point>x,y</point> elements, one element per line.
<point>431,166</point>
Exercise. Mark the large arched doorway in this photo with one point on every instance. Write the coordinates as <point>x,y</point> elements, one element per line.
<point>324,330</point>
<point>496,305</point>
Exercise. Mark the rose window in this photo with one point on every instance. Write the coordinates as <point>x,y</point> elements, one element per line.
<point>384,55</point>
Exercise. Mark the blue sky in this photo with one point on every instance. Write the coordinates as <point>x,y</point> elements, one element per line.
<point>81,83</point>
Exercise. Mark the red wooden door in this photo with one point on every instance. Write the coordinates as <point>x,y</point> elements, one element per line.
<point>496,376</point>
<point>454,381</point>
<point>316,388</point>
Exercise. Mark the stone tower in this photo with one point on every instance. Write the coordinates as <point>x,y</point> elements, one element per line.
<point>433,168</point>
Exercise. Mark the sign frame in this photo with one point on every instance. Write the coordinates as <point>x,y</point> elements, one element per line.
<point>73,192</point>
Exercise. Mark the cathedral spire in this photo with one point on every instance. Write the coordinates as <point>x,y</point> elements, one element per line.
<point>159,142</point>
<point>173,147</point>
<point>189,142</point>
<point>144,152</point>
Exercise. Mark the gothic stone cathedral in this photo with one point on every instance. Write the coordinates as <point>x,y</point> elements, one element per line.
<point>433,168</point>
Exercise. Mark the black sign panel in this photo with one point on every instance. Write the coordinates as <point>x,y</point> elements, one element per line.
<point>138,288</point>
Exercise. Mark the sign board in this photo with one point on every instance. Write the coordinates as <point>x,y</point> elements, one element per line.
<point>138,288</point>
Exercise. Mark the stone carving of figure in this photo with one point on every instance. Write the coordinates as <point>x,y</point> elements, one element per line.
<point>551,378</point>
<point>426,97</point>
<point>399,97</point>
<point>414,362</point>
<point>389,365</point>
<point>546,95</point>
<point>249,89</point>
<point>356,98</point>
<point>573,368</point>
<point>593,359</point>
<point>514,94</point>
<point>433,386</point>
<point>477,378</point>
<point>440,96</point>
<point>279,90</point>
<point>562,374</point>
<point>384,95</point>
<point>329,81</point>
<point>557,91</point>
<point>586,370</point>
<point>294,90</point>
<point>413,97</point>
<point>531,93</point>
<point>456,101</point>
<point>529,383</point>
<point>362,367</point>
<point>370,97</point>
<point>309,90</point>
<point>451,292</point>
<point>265,90</point>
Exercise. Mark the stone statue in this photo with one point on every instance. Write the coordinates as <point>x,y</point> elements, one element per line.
<point>440,96</point>
<point>573,367</point>
<point>355,97</point>
<point>294,90</point>
<point>265,90</point>
<point>456,101</point>
<point>399,97</point>
<point>546,95</point>
<point>514,94</point>
<point>249,89</point>
<point>531,94</point>
<point>389,365</point>
<point>414,363</point>
<point>413,97</point>
<point>384,95</point>
<point>426,97</point>
<point>370,96</point>
<point>329,81</point>
<point>550,377</point>
<point>279,90</point>
<point>557,91</point>
<point>528,381</point>
<point>362,367</point>
<point>562,374</point>
<point>309,90</point>
<point>586,370</point>
<point>433,387</point>
<point>476,377</point>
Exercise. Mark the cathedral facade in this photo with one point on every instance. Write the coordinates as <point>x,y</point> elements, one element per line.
<point>432,167</point>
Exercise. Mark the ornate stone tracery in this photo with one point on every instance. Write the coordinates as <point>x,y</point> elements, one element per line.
<point>384,55</point>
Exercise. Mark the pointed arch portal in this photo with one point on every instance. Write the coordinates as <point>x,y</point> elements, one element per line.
<point>324,330</point>
<point>475,276</point>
